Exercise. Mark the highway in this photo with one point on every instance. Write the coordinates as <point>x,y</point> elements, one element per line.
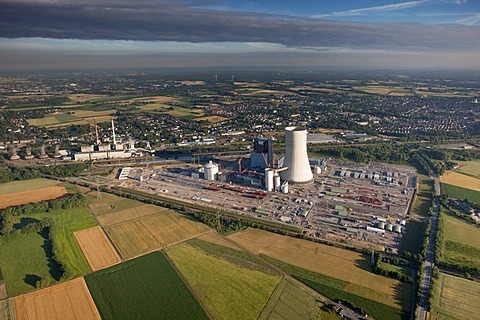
<point>426,277</point>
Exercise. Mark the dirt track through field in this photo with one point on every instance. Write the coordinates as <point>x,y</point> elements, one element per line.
<point>68,300</point>
<point>32,196</point>
<point>97,249</point>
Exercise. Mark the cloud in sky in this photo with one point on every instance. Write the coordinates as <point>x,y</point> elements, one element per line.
<point>167,21</point>
<point>382,8</point>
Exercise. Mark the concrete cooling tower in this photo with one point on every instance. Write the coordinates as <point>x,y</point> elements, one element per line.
<point>296,157</point>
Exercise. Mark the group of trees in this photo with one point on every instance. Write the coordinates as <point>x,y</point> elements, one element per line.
<point>65,202</point>
<point>378,268</point>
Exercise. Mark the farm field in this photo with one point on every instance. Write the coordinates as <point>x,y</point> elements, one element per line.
<point>68,300</point>
<point>212,119</point>
<point>25,185</point>
<point>7,309</point>
<point>461,180</point>
<point>462,245</point>
<point>231,283</point>
<point>37,249</point>
<point>456,299</point>
<point>146,287</point>
<point>289,301</point>
<point>215,238</point>
<point>460,231</point>
<point>97,249</point>
<point>337,289</point>
<point>139,236</point>
<point>470,168</point>
<point>129,214</point>
<point>20,277</point>
<point>350,268</point>
<point>32,196</point>
<point>109,203</point>
<point>460,193</point>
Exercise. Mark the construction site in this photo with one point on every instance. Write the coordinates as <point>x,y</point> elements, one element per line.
<point>364,205</point>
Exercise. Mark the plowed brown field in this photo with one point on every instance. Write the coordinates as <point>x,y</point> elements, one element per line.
<point>15,199</point>
<point>68,300</point>
<point>97,249</point>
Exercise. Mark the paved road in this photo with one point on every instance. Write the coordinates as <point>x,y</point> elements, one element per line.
<point>426,278</point>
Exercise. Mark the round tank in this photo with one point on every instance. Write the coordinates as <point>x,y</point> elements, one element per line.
<point>285,187</point>
<point>296,157</point>
<point>210,170</point>
<point>381,225</point>
<point>277,182</point>
<point>317,170</point>
<point>388,227</point>
<point>269,179</point>
<point>397,228</point>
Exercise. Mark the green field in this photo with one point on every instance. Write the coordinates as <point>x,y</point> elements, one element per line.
<point>109,203</point>
<point>231,283</point>
<point>143,288</point>
<point>7,309</point>
<point>412,241</point>
<point>37,249</point>
<point>458,299</point>
<point>460,193</point>
<point>336,289</point>
<point>460,231</point>
<point>471,168</point>
<point>25,185</point>
<point>461,246</point>
<point>422,201</point>
<point>290,301</point>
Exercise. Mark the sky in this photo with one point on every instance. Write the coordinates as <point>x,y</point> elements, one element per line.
<point>95,34</point>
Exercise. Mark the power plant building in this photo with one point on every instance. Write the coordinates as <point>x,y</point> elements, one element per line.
<point>210,171</point>
<point>262,155</point>
<point>296,157</point>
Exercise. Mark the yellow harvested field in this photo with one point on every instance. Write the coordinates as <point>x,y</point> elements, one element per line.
<point>155,99</point>
<point>139,236</point>
<point>192,82</point>
<point>461,180</point>
<point>212,119</point>
<point>214,237</point>
<point>97,249</point>
<point>338,263</point>
<point>32,196</point>
<point>129,214</point>
<point>68,300</point>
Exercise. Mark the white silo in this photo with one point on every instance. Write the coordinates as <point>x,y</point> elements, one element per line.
<point>210,171</point>
<point>296,157</point>
<point>285,187</point>
<point>277,181</point>
<point>269,179</point>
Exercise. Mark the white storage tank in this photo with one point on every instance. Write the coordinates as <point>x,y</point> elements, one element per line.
<point>269,183</point>
<point>277,182</point>
<point>210,170</point>
<point>317,170</point>
<point>285,187</point>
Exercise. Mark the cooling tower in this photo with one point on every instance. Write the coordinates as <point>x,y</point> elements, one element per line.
<point>296,158</point>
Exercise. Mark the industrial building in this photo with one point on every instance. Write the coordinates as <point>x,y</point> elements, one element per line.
<point>99,151</point>
<point>262,155</point>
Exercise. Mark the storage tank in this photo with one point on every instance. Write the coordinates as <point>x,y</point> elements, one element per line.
<point>269,183</point>
<point>381,225</point>
<point>210,171</point>
<point>285,187</point>
<point>389,227</point>
<point>397,228</point>
<point>296,157</point>
<point>317,169</point>
<point>277,182</point>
